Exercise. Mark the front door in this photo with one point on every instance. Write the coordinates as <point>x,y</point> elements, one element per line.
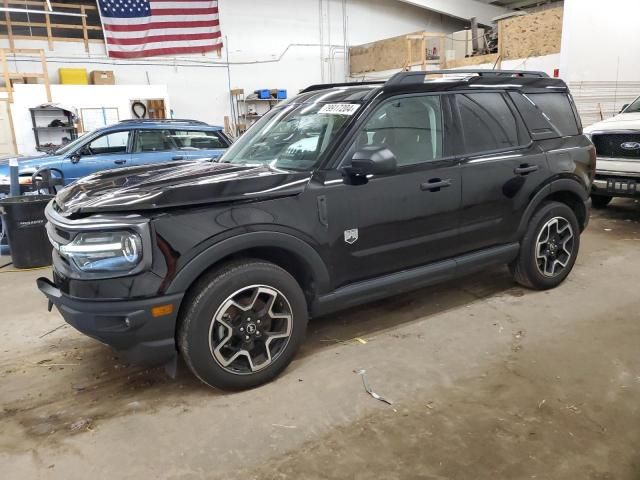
<point>105,152</point>
<point>404,219</point>
<point>501,169</point>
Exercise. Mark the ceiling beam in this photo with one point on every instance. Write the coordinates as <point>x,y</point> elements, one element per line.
<point>463,9</point>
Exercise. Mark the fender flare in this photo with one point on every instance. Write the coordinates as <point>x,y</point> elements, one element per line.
<point>570,185</point>
<point>303,252</point>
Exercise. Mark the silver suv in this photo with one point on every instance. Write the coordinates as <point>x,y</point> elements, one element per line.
<point>617,142</point>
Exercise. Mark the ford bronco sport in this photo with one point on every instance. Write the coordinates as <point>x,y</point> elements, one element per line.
<point>345,194</point>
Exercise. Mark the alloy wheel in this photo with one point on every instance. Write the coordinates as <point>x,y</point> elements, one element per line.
<point>554,246</point>
<point>250,329</point>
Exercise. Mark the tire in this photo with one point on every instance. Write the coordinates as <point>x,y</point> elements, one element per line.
<point>210,325</point>
<point>528,268</point>
<point>600,201</point>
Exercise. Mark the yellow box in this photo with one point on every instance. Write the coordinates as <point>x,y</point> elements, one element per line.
<point>73,76</point>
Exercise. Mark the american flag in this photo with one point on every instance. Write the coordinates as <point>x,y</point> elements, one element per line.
<point>146,28</point>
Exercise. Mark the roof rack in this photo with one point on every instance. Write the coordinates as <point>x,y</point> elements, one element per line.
<point>324,86</point>
<point>407,78</point>
<point>163,120</point>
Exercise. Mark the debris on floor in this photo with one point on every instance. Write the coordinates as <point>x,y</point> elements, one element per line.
<point>363,374</point>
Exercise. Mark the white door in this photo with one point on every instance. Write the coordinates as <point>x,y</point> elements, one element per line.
<point>7,146</point>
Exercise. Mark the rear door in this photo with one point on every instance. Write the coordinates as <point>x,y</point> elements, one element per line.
<point>151,146</point>
<point>501,168</point>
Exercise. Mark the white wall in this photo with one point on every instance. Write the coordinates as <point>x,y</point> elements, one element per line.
<point>78,96</point>
<point>270,44</point>
<point>600,55</point>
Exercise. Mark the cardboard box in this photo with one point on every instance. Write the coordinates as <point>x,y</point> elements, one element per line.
<point>73,76</point>
<point>102,77</point>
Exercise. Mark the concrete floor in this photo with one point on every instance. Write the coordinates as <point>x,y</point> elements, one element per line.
<point>488,381</point>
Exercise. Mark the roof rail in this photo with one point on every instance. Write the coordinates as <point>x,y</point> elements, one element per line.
<point>406,78</point>
<point>324,86</point>
<point>163,120</point>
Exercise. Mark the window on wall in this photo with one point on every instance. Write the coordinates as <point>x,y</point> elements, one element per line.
<point>411,127</point>
<point>62,27</point>
<point>487,121</point>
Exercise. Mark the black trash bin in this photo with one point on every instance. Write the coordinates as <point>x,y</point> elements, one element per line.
<point>25,227</point>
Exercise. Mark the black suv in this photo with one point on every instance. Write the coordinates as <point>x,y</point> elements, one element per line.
<point>345,194</point>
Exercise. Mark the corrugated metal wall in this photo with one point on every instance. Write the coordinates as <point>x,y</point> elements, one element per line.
<point>600,100</point>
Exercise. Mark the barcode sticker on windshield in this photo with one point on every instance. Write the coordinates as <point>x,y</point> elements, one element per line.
<point>340,108</point>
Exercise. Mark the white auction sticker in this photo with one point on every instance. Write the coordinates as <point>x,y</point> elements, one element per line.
<point>340,108</point>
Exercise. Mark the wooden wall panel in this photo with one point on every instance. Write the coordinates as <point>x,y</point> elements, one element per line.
<point>387,54</point>
<point>471,61</point>
<point>532,35</point>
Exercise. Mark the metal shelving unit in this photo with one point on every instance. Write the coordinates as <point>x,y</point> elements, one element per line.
<point>51,137</point>
<point>245,115</point>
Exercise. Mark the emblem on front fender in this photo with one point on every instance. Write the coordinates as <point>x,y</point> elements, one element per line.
<point>630,146</point>
<point>351,236</point>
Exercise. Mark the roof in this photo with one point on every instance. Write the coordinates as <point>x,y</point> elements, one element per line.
<point>442,80</point>
<point>157,122</point>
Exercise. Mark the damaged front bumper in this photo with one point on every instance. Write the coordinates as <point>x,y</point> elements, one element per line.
<point>142,330</point>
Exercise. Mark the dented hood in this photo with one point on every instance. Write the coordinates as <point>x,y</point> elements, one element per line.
<point>176,184</point>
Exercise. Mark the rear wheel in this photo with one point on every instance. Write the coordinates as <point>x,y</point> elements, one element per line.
<point>243,325</point>
<point>549,248</point>
<point>600,201</point>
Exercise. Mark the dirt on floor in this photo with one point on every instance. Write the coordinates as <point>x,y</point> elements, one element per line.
<point>487,380</point>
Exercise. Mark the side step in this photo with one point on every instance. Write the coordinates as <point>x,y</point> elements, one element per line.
<point>413,279</point>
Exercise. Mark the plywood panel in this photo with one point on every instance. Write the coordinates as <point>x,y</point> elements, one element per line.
<point>387,54</point>
<point>470,61</point>
<point>532,35</point>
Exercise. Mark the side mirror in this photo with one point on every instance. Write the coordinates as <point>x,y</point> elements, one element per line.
<point>624,107</point>
<point>75,157</point>
<point>372,160</point>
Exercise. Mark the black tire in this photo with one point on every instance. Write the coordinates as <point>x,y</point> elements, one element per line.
<point>600,201</point>
<point>525,268</point>
<point>205,299</point>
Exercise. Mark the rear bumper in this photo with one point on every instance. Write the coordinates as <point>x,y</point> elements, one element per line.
<point>600,185</point>
<point>126,325</point>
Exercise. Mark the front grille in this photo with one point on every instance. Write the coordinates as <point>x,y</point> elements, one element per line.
<point>610,145</point>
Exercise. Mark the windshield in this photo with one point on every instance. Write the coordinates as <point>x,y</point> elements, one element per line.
<point>70,146</point>
<point>634,107</point>
<point>292,137</point>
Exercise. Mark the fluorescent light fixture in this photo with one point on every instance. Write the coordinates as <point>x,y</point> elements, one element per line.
<point>42,12</point>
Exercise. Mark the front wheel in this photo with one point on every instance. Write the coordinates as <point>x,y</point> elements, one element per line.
<point>243,324</point>
<point>549,247</point>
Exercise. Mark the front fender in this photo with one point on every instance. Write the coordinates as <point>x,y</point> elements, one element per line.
<point>236,244</point>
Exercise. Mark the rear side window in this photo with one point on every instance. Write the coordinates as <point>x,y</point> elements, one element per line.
<point>488,122</point>
<point>197,140</point>
<point>557,109</point>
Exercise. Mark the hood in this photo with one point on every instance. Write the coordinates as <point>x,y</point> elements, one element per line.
<point>30,164</point>
<point>176,184</point>
<point>623,121</point>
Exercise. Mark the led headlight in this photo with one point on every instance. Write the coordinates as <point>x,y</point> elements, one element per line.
<point>104,251</point>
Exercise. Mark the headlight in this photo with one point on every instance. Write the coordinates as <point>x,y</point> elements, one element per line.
<point>104,252</point>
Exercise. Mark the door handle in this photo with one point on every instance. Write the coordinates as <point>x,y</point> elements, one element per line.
<point>120,162</point>
<point>178,157</point>
<point>435,184</point>
<point>525,169</point>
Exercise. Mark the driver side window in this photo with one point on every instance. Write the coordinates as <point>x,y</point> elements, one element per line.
<point>115,142</point>
<point>411,127</point>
